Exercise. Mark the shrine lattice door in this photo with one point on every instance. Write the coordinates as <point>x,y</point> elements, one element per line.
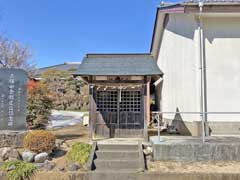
<point>119,113</point>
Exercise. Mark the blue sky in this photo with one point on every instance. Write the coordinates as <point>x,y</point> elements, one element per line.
<point>64,30</point>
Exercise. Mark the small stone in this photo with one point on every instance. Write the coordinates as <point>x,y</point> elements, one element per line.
<point>61,168</point>
<point>41,157</point>
<point>65,145</point>
<point>13,155</point>
<point>59,142</point>
<point>8,153</point>
<point>12,167</point>
<point>49,165</point>
<point>39,165</point>
<point>73,167</point>
<point>11,138</point>
<point>47,162</point>
<point>85,120</point>
<point>28,156</point>
<point>4,153</point>
<point>148,151</point>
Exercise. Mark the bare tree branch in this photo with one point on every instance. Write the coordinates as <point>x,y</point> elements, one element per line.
<point>15,55</point>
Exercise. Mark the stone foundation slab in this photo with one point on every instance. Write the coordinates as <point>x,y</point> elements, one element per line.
<point>186,148</point>
<point>12,138</point>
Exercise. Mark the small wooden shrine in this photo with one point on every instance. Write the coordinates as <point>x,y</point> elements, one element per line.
<point>119,88</point>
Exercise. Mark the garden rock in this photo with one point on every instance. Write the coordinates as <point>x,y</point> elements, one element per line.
<point>8,153</point>
<point>73,167</point>
<point>148,151</point>
<point>65,145</point>
<point>28,156</point>
<point>11,138</point>
<point>85,120</point>
<point>12,167</point>
<point>61,168</point>
<point>59,143</point>
<point>13,155</point>
<point>4,153</point>
<point>40,158</point>
<point>39,165</point>
<point>49,165</point>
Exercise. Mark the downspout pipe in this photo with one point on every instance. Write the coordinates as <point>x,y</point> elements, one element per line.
<point>202,71</point>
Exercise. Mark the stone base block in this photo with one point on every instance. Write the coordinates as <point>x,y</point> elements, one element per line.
<point>180,148</point>
<point>12,138</point>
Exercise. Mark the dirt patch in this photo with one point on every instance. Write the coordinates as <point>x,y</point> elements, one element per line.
<point>194,167</point>
<point>61,176</point>
<point>70,135</point>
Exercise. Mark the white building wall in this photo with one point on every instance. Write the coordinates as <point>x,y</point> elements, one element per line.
<point>222,41</point>
<point>178,59</point>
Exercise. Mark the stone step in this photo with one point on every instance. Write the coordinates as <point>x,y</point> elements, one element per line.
<point>117,147</point>
<point>121,155</point>
<point>116,164</point>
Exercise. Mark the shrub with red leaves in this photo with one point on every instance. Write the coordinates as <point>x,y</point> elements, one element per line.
<point>39,105</point>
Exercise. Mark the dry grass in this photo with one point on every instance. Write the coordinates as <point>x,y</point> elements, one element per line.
<point>72,134</point>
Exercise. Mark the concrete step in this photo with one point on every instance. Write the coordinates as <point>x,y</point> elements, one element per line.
<point>116,164</point>
<point>114,175</point>
<point>114,155</point>
<point>117,147</point>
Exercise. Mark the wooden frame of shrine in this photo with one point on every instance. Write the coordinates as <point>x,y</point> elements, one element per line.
<point>119,89</point>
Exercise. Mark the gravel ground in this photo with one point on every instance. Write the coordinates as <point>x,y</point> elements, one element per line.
<point>194,167</point>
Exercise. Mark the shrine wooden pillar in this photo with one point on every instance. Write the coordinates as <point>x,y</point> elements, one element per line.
<point>146,110</point>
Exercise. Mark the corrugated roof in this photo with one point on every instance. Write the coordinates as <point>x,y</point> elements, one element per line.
<point>119,66</point>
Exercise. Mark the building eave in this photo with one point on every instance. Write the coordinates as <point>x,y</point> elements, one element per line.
<point>174,8</point>
<point>154,31</point>
<point>189,7</point>
<point>160,22</point>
